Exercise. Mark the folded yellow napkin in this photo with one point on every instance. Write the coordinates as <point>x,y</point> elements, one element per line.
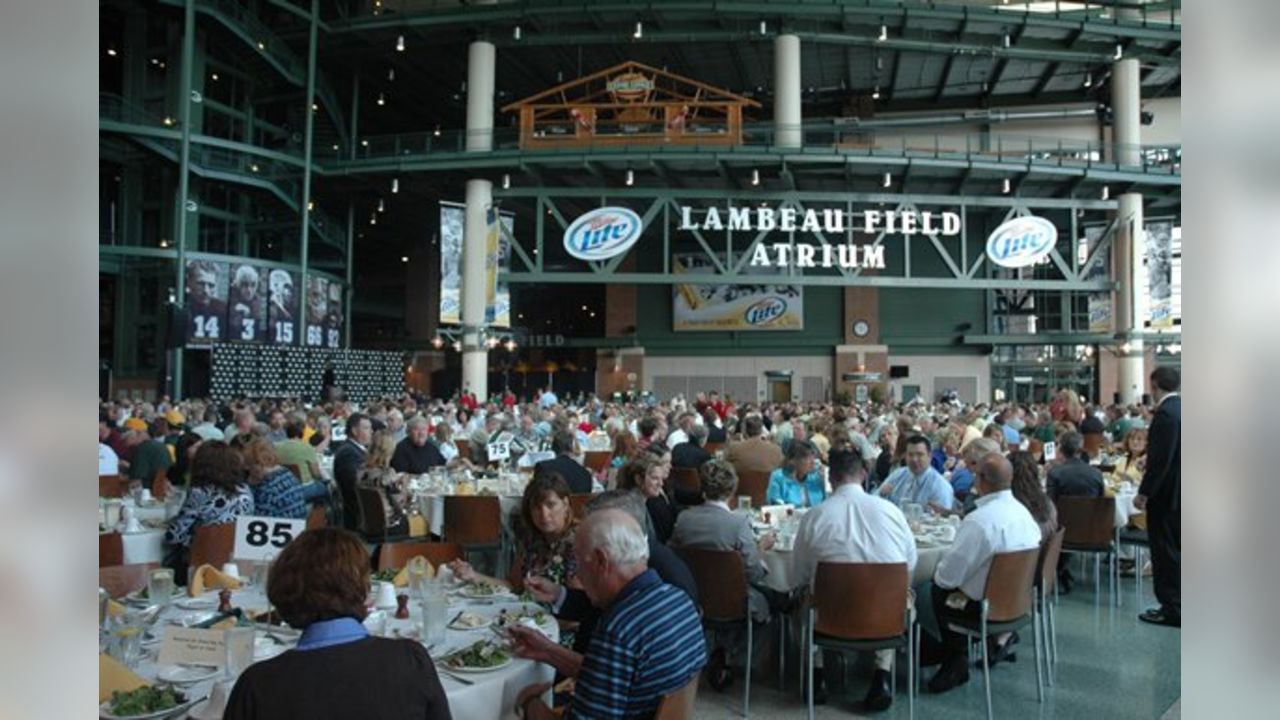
<point>208,577</point>
<point>402,578</point>
<point>417,526</point>
<point>113,676</point>
<point>114,609</point>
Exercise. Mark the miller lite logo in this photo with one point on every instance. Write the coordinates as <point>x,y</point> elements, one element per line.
<point>765,311</point>
<point>1021,241</point>
<point>602,233</point>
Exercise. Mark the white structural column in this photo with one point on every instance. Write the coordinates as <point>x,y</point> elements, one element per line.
<point>475,355</point>
<point>786,91</point>
<point>1129,243</point>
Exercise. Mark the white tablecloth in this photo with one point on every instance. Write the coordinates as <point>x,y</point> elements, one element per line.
<point>781,564</point>
<point>431,506</point>
<point>1124,507</point>
<point>492,696</point>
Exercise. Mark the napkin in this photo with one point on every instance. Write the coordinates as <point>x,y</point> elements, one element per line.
<point>402,578</point>
<point>208,577</point>
<point>417,526</point>
<point>114,609</point>
<point>113,676</point>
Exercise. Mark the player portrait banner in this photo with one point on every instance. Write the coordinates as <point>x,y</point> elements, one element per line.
<point>247,303</point>
<point>734,307</point>
<point>1099,302</point>
<point>1160,274</point>
<point>206,302</point>
<point>283,308</point>
<point>323,313</point>
<point>501,227</point>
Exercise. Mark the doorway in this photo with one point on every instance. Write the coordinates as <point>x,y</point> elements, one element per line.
<point>779,389</point>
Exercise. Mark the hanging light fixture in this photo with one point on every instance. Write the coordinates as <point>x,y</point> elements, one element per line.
<point>1106,193</point>
<point>436,132</point>
<point>875,94</point>
<point>395,185</point>
<point>764,28</point>
<point>1007,40</point>
<point>382,99</point>
<point>639,33</point>
<point>631,178</point>
<point>1088,79</point>
<point>373,219</point>
<point>1119,51</point>
<point>884,33</point>
<point>506,181</point>
<point>1007,186</point>
<point>400,44</point>
<point>382,206</point>
<point>515,32</point>
<point>755,177</point>
<point>391,74</point>
<point>888,180</point>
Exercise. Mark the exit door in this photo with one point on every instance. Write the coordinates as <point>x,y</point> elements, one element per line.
<point>780,390</point>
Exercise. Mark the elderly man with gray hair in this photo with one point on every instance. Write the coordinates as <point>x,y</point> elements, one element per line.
<point>647,644</point>
<point>416,454</point>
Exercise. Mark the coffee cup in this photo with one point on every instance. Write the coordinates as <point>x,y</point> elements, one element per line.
<point>144,497</point>
<point>232,569</point>
<point>133,525</point>
<point>384,595</point>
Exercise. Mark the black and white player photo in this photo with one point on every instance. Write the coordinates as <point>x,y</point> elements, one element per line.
<point>206,300</point>
<point>246,304</point>
<point>317,310</point>
<point>283,313</point>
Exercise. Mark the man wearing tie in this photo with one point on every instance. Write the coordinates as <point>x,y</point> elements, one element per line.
<point>1161,496</point>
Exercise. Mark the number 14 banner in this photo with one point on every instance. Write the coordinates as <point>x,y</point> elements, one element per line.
<point>262,538</point>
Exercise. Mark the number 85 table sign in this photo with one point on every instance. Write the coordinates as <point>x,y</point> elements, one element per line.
<point>260,538</point>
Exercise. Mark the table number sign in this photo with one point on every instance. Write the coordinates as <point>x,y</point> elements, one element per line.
<point>1050,451</point>
<point>258,538</point>
<point>500,450</point>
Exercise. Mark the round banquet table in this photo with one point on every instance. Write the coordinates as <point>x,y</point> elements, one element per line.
<point>781,564</point>
<point>490,696</point>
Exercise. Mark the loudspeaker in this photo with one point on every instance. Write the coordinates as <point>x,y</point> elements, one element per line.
<point>175,327</point>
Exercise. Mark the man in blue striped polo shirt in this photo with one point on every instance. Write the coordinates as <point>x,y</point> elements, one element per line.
<point>648,643</point>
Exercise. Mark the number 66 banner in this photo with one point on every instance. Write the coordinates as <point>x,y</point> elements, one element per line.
<point>260,538</point>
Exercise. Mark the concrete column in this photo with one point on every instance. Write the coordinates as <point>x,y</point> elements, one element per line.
<point>475,356</point>
<point>786,91</point>
<point>1128,245</point>
<point>480,79</point>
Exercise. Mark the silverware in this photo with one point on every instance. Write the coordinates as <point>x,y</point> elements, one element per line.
<point>455,677</point>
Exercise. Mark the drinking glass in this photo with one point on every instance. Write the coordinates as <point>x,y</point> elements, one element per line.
<point>435,613</point>
<point>744,503</point>
<point>914,512</point>
<point>125,643</point>
<point>160,586</point>
<point>239,648</point>
<point>103,603</point>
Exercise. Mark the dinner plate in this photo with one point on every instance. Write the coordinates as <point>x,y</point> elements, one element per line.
<point>186,674</point>
<point>196,603</point>
<point>104,711</point>
<point>454,625</point>
<point>476,670</point>
<point>499,593</point>
<point>925,541</point>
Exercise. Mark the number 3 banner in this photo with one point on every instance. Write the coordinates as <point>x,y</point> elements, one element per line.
<point>261,538</point>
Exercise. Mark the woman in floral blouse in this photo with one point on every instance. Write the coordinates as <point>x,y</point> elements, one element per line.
<point>276,491</point>
<point>218,496</point>
<point>544,529</point>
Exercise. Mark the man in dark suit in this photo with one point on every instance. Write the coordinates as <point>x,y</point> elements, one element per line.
<point>1161,496</point>
<point>564,444</point>
<point>574,605</point>
<point>1072,476</point>
<point>347,461</point>
<point>691,454</point>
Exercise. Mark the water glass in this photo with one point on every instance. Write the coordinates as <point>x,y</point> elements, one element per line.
<point>744,503</point>
<point>125,643</point>
<point>435,614</point>
<point>160,586</point>
<point>239,647</point>
<point>915,512</point>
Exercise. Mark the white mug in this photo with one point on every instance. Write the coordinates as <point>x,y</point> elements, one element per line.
<point>384,595</point>
<point>145,496</point>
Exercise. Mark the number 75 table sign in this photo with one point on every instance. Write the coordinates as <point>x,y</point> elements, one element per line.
<point>258,538</point>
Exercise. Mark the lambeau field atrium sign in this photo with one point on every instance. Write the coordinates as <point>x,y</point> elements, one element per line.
<point>827,221</point>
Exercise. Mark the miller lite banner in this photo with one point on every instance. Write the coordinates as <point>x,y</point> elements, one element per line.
<point>734,307</point>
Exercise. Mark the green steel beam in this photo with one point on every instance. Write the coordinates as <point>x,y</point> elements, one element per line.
<point>184,179</point>
<point>949,283</point>
<point>172,254</point>
<point>308,136</point>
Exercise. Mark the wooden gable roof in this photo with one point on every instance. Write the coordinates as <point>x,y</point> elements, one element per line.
<point>593,87</point>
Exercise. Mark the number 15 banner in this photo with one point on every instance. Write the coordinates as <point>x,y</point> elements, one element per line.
<point>261,538</point>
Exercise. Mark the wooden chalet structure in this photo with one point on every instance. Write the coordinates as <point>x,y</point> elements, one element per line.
<point>630,104</point>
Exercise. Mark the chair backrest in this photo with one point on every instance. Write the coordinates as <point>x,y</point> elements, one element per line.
<point>317,518</point>
<point>1048,578</point>
<point>713,448</point>
<point>1009,584</point>
<point>472,519</point>
<point>578,503</point>
<point>679,704</point>
<point>1035,446</point>
<point>464,448</point>
<point>1092,444</point>
<point>597,460</point>
<point>112,486</point>
<point>685,481</point>
<point>160,486</point>
<point>372,520</point>
<point>110,549</point>
<point>860,601</point>
<point>754,483</point>
<point>397,555</point>
<point>721,581</point>
<point>1089,522</point>
<point>213,545</point>
<point>120,580</point>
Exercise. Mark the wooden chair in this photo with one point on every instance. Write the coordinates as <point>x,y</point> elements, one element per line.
<point>1092,444</point>
<point>397,555</point>
<point>110,549</point>
<point>464,448</point>
<point>160,486</point>
<point>578,503</point>
<point>1091,528</point>
<point>1007,605</point>
<point>597,461</point>
<point>722,595</point>
<point>754,483</point>
<point>371,522</point>
<point>1036,448</point>
<point>120,580</point>
<point>679,704</point>
<point>212,545</point>
<point>862,607</point>
<point>112,486</point>
<point>317,518</point>
<point>713,448</point>
<point>686,486</point>
<point>475,523</point>
<point>1047,585</point>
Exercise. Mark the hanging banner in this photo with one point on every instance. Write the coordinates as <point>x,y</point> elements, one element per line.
<point>247,303</point>
<point>206,299</point>
<point>1099,302</point>
<point>1160,274</point>
<point>497,260</point>
<point>282,314</point>
<point>734,307</point>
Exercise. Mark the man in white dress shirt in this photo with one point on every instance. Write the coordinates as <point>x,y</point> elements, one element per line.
<point>852,526</point>
<point>999,524</point>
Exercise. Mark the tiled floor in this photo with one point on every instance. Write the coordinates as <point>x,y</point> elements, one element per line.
<point>1111,666</point>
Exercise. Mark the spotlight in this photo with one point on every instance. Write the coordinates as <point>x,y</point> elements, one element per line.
<point>1006,40</point>
<point>639,33</point>
<point>884,33</point>
<point>437,342</point>
<point>755,177</point>
<point>1119,51</point>
<point>1106,193</point>
<point>515,32</point>
<point>506,181</point>
<point>382,206</point>
<point>631,178</point>
<point>382,99</point>
<point>111,52</point>
<point>1007,186</point>
<point>888,180</point>
<point>875,94</point>
<point>391,75</point>
<point>400,43</point>
<point>764,28</point>
<point>436,132</point>
<point>1088,79</point>
<point>395,185</point>
<point>510,346</point>
<point>404,258</point>
<point>373,219</point>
